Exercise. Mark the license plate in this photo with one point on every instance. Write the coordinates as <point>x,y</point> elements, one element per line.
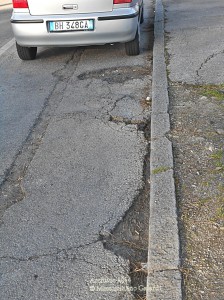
<point>78,25</point>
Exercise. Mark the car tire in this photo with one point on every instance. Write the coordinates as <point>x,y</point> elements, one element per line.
<point>26,53</point>
<point>142,16</point>
<point>133,47</point>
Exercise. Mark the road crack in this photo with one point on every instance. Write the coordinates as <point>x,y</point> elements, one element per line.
<point>210,57</point>
<point>12,190</point>
<point>129,239</point>
<point>69,253</point>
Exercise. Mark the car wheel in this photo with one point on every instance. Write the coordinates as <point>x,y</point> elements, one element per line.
<point>133,47</point>
<point>26,53</point>
<point>142,16</point>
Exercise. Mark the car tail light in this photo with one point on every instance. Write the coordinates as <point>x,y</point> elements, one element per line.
<point>20,4</point>
<point>122,1</point>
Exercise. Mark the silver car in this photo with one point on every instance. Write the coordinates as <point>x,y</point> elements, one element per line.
<point>68,23</point>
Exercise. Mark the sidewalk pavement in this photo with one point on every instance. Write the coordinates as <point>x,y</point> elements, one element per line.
<point>193,51</point>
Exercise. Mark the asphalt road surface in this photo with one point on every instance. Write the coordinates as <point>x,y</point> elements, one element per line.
<point>72,152</point>
<point>5,26</point>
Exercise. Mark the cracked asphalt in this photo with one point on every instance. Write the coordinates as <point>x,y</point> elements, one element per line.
<point>198,32</point>
<point>73,150</point>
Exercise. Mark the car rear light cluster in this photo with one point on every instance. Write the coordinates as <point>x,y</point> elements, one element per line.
<point>20,4</point>
<point>122,1</point>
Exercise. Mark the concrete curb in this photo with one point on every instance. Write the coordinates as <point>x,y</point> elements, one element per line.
<point>164,278</point>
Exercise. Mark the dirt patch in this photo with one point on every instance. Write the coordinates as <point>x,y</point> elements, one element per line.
<point>117,75</point>
<point>197,120</point>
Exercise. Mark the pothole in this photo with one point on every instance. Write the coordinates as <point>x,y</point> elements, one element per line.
<point>117,75</point>
<point>130,237</point>
<point>129,110</point>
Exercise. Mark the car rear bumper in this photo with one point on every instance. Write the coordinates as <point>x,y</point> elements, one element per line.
<point>117,26</point>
